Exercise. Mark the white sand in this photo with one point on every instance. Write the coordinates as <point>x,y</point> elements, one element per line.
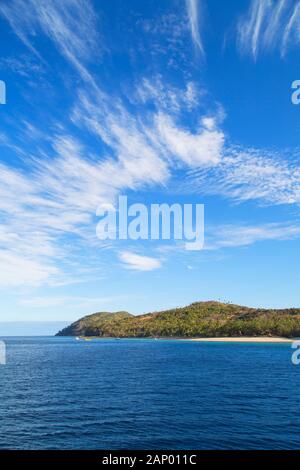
<point>262,339</point>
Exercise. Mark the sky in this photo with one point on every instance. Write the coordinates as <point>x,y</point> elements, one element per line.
<point>174,101</point>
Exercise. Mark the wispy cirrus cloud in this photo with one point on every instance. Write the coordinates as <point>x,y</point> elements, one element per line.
<point>71,25</point>
<point>239,234</point>
<point>53,218</point>
<point>60,190</point>
<point>58,196</point>
<point>269,25</point>
<point>166,36</point>
<point>154,139</point>
<point>21,270</point>
<point>139,262</point>
<point>234,235</point>
<point>168,98</point>
<point>195,21</point>
<point>264,176</point>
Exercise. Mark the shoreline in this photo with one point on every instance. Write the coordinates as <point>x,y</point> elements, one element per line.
<point>246,339</point>
<point>241,339</point>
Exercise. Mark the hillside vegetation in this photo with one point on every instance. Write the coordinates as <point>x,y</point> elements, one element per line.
<point>200,319</point>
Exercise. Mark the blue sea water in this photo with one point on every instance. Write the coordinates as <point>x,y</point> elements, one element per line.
<point>59,393</point>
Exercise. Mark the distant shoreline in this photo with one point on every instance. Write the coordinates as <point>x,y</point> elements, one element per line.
<point>262,339</point>
<point>245,339</point>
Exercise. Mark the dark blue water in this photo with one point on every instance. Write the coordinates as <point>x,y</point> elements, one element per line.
<point>59,393</point>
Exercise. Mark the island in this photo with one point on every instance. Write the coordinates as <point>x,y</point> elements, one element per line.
<point>200,320</point>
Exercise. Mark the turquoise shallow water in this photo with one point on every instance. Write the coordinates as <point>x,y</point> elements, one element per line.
<point>59,393</point>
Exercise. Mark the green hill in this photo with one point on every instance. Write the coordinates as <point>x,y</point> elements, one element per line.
<point>200,319</point>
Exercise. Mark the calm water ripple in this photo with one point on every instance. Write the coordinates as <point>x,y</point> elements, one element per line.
<point>59,393</point>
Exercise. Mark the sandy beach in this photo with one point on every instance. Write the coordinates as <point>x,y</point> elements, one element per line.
<point>245,339</point>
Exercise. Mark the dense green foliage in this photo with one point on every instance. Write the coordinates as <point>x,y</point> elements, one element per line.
<point>200,319</point>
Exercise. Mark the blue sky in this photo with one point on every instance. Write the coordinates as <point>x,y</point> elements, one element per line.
<point>162,101</point>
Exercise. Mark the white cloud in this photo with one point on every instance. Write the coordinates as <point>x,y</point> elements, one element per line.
<point>250,174</point>
<point>203,148</point>
<point>292,30</point>
<point>269,24</point>
<point>165,35</point>
<point>194,20</point>
<point>21,270</point>
<point>69,24</point>
<point>138,262</point>
<point>230,236</point>
<point>168,98</point>
<point>146,143</point>
<point>58,196</point>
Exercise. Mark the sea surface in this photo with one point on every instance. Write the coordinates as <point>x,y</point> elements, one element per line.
<point>59,393</point>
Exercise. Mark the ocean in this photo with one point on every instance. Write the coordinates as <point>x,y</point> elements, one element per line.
<point>59,393</point>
